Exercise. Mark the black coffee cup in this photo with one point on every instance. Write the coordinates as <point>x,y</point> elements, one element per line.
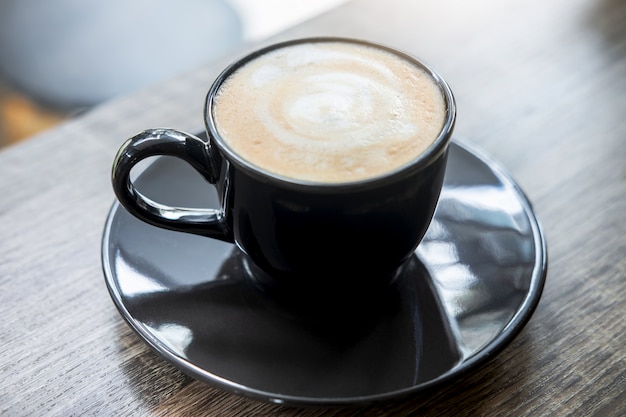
<point>299,236</point>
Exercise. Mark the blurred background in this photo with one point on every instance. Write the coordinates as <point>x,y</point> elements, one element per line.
<point>60,58</point>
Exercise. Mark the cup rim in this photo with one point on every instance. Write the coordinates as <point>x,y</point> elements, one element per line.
<point>424,159</point>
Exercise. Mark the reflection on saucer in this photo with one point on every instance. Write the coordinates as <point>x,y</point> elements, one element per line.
<point>402,340</point>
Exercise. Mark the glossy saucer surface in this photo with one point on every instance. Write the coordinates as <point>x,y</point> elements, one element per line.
<point>472,285</point>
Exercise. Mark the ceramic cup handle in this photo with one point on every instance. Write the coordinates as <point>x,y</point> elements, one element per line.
<point>153,142</point>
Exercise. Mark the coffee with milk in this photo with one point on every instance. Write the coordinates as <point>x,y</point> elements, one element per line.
<point>329,112</point>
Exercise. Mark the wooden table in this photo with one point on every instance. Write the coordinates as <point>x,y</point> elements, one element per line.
<point>540,86</point>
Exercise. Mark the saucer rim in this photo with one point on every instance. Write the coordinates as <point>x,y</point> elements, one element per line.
<point>495,346</point>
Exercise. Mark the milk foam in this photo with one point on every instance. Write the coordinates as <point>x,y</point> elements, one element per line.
<point>329,111</point>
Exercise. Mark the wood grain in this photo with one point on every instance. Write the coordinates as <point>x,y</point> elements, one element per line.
<point>540,86</point>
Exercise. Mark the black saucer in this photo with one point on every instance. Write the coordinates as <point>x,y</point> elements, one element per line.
<point>468,291</point>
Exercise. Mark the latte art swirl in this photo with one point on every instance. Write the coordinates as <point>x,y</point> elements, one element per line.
<point>335,110</point>
<point>329,111</point>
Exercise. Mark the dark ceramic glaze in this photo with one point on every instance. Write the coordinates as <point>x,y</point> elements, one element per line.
<point>300,236</point>
<point>467,291</point>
